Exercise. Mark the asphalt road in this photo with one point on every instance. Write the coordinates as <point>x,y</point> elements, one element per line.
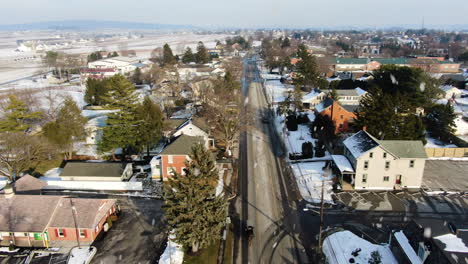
<point>266,197</point>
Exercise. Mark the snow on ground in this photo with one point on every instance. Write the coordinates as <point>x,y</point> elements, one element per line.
<point>277,90</point>
<point>453,243</point>
<point>462,126</point>
<point>220,186</point>
<point>338,247</point>
<point>7,250</point>
<point>173,254</point>
<point>309,177</point>
<point>434,143</point>
<point>81,255</point>
<point>296,138</point>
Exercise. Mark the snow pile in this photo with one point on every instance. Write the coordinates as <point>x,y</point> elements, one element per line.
<point>81,255</point>
<point>309,177</point>
<point>338,247</point>
<point>453,243</point>
<point>173,254</point>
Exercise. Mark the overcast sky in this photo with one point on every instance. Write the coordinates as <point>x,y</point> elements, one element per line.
<point>244,13</point>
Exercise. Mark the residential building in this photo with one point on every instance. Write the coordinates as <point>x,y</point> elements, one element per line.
<point>121,65</point>
<point>384,164</point>
<point>174,156</point>
<point>350,96</point>
<point>96,171</point>
<point>189,128</point>
<point>451,92</point>
<point>313,98</point>
<point>341,115</point>
<point>48,221</point>
<point>28,184</point>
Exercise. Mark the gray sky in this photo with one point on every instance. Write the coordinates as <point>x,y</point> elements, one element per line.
<point>302,13</point>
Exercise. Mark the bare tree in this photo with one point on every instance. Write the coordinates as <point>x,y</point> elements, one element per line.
<point>20,152</point>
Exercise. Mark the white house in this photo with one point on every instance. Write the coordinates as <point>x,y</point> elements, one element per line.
<point>313,98</point>
<point>188,128</point>
<point>384,164</point>
<point>350,96</point>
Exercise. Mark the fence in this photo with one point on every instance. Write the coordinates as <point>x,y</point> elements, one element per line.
<point>447,152</point>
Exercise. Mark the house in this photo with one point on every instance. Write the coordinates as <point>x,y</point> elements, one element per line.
<point>451,92</point>
<point>350,96</point>
<point>173,157</point>
<point>341,115</point>
<point>48,221</point>
<point>189,128</point>
<point>28,184</point>
<point>96,171</point>
<point>431,241</point>
<point>384,164</point>
<point>121,65</point>
<point>313,98</point>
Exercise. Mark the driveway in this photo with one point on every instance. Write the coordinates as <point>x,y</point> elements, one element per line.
<point>138,236</point>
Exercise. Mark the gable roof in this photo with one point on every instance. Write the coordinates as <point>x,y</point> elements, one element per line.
<point>360,143</point>
<point>350,108</point>
<point>93,169</point>
<point>404,148</point>
<point>324,105</point>
<point>29,183</point>
<point>182,145</point>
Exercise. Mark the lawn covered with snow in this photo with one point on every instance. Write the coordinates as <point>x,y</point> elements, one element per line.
<point>277,90</point>
<point>81,255</point>
<point>309,177</point>
<point>173,254</point>
<point>338,247</point>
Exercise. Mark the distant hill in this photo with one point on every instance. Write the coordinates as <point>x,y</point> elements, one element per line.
<point>89,25</point>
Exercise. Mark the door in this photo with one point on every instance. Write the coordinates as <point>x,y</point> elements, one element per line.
<point>398,179</point>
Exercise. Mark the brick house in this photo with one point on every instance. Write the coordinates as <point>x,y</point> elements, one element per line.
<point>341,115</point>
<point>47,221</point>
<point>173,157</point>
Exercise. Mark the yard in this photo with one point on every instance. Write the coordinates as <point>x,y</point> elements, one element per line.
<point>205,256</point>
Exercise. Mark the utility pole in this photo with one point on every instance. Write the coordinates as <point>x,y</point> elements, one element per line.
<point>76,225</point>
<point>321,221</point>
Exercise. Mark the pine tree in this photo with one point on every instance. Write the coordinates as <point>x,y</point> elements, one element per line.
<point>150,122</point>
<point>121,129</point>
<point>68,127</point>
<point>322,128</point>
<point>96,91</point>
<point>307,71</point>
<point>192,209</point>
<point>137,76</point>
<point>18,116</point>
<point>202,55</point>
<point>188,56</point>
<point>168,56</point>
<point>297,99</point>
<point>440,122</point>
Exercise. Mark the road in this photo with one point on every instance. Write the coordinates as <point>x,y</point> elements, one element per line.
<point>266,197</point>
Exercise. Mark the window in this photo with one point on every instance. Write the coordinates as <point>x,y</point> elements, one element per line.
<point>170,159</point>
<point>385,155</point>
<point>26,234</point>
<point>364,178</point>
<point>340,126</point>
<point>341,116</point>
<point>366,165</point>
<point>386,178</point>
<point>371,155</point>
<point>411,163</point>
<point>82,233</point>
<point>60,232</point>
<point>96,229</point>
<point>387,165</point>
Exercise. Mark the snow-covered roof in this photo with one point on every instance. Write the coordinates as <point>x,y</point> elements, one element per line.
<point>405,245</point>
<point>313,94</point>
<point>324,105</point>
<point>360,91</point>
<point>453,243</point>
<point>360,143</point>
<point>342,163</point>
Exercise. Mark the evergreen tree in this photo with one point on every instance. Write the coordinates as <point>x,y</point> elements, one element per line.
<point>306,68</point>
<point>319,149</point>
<point>137,77</point>
<point>192,209</point>
<point>286,43</point>
<point>440,122</point>
<point>168,56</point>
<point>202,55</point>
<point>307,150</point>
<point>188,56</point>
<point>297,99</point>
<point>322,128</point>
<point>150,123</point>
<point>94,56</point>
<point>18,116</point>
<point>68,127</point>
<point>96,91</point>
<point>333,94</point>
<point>121,130</point>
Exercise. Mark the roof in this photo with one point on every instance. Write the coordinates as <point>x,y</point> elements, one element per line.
<point>350,108</point>
<point>182,145</point>
<point>342,163</point>
<point>35,213</point>
<point>405,245</point>
<point>93,169</point>
<point>367,60</point>
<point>22,213</point>
<point>360,143</point>
<point>29,183</point>
<point>324,105</point>
<point>404,148</point>
<point>313,94</point>
<point>88,212</point>
<point>391,60</point>
<point>346,92</point>
<point>351,60</point>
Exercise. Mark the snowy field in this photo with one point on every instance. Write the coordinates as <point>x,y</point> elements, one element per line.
<point>309,177</point>
<point>338,247</point>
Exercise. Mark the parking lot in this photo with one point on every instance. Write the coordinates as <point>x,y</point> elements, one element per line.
<point>445,175</point>
<point>138,236</point>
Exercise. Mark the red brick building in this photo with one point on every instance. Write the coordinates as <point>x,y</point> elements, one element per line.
<point>173,157</point>
<point>47,221</point>
<point>341,115</point>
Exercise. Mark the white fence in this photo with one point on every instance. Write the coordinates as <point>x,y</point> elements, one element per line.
<point>94,185</point>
